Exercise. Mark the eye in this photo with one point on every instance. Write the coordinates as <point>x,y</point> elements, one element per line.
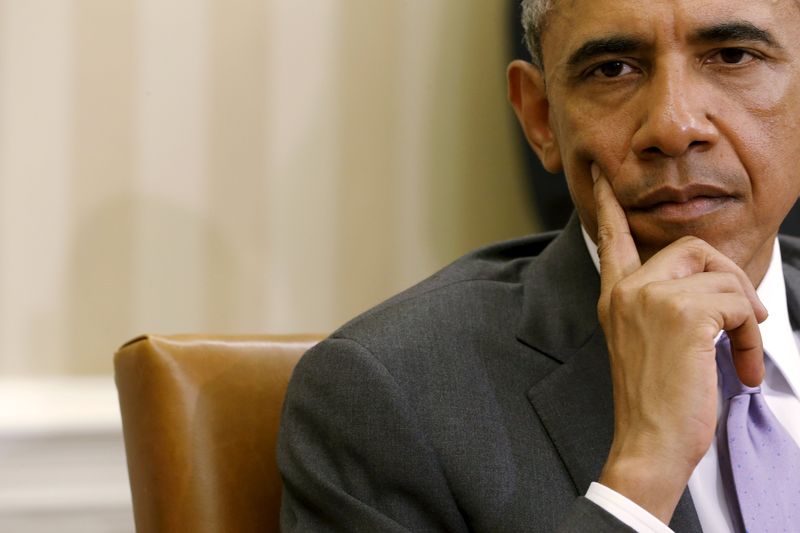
<point>732,56</point>
<point>612,69</point>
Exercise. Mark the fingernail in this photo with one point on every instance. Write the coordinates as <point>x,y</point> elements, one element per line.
<point>595,172</point>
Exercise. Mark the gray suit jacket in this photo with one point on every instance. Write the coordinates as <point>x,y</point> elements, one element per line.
<point>479,400</point>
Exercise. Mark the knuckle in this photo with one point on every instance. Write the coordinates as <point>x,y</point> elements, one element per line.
<point>691,240</point>
<point>650,294</point>
<point>732,281</point>
<point>680,305</point>
<point>607,235</point>
<point>603,248</point>
<point>743,303</point>
<point>621,294</point>
<point>695,246</point>
<point>604,232</point>
<point>605,238</point>
<point>616,296</point>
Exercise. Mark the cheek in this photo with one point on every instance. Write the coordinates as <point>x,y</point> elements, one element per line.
<point>594,134</point>
<point>587,134</point>
<point>766,139</point>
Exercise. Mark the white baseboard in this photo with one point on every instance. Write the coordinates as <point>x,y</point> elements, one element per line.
<point>62,457</point>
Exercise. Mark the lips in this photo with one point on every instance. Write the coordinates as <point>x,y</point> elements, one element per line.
<point>681,203</point>
<point>678,195</point>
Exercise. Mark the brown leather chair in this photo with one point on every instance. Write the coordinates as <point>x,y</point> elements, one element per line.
<point>200,419</point>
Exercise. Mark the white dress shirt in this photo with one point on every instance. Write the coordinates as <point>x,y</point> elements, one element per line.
<point>780,388</point>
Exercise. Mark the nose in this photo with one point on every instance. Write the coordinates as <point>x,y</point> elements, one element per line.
<point>675,118</point>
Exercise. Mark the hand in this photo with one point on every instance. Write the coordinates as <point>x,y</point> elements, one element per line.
<point>661,320</point>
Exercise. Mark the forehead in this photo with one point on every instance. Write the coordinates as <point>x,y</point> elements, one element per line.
<point>570,23</point>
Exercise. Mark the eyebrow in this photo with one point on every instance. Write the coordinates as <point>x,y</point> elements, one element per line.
<point>734,31</point>
<point>614,44</point>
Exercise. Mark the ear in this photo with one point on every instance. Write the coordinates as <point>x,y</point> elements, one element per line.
<point>528,96</point>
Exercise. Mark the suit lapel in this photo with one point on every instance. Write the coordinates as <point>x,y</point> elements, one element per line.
<point>574,402</point>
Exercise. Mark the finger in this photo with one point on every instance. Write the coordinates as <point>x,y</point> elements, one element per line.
<point>700,285</point>
<point>690,256</point>
<point>748,352</point>
<point>615,246</point>
<point>732,312</point>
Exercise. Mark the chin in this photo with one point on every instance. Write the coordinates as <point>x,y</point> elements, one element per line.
<point>650,243</point>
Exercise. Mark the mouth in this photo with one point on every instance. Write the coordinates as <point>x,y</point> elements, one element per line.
<point>683,204</point>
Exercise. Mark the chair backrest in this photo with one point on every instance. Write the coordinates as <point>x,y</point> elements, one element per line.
<point>200,419</point>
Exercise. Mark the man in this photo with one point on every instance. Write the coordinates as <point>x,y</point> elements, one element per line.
<point>492,398</point>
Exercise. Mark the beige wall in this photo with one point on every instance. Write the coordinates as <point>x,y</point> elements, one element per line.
<point>239,165</point>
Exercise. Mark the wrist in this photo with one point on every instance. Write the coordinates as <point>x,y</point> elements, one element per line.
<point>653,483</point>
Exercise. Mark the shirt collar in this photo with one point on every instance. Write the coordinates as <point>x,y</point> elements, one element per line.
<point>777,336</point>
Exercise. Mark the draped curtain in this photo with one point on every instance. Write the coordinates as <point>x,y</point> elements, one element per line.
<point>234,166</point>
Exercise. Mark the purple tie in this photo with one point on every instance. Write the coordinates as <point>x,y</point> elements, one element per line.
<point>759,461</point>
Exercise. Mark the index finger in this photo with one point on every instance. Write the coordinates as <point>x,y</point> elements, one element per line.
<point>618,254</point>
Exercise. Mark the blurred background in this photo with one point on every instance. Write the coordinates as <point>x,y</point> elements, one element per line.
<point>240,165</point>
<point>223,166</point>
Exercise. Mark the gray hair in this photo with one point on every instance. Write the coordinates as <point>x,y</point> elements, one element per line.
<point>534,13</point>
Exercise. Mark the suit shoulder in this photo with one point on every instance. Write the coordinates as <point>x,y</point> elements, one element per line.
<point>487,276</point>
<point>498,262</point>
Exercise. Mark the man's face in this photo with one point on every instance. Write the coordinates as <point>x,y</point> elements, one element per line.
<point>690,107</point>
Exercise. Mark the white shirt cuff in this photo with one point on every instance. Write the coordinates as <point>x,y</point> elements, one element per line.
<point>625,510</point>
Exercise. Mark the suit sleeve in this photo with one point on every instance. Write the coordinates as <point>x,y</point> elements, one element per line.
<point>354,457</point>
<point>351,453</point>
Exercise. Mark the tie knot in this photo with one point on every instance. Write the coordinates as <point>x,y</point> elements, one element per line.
<point>731,385</point>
